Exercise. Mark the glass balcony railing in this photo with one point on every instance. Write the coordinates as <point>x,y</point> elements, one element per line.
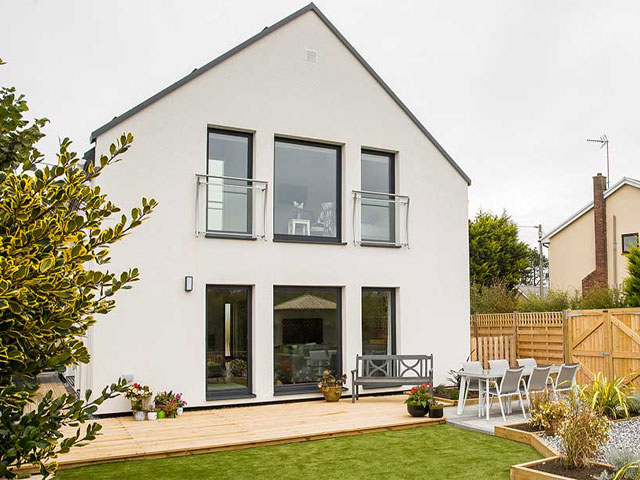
<point>230,206</point>
<point>380,219</point>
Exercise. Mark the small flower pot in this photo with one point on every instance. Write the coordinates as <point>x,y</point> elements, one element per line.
<point>417,410</point>
<point>138,415</point>
<point>332,394</point>
<point>180,411</point>
<point>152,415</point>
<point>436,412</point>
<point>161,414</point>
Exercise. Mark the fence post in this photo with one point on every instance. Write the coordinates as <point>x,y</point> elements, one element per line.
<point>565,315</point>
<point>515,333</point>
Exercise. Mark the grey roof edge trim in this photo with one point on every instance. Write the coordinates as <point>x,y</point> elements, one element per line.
<point>610,191</point>
<point>255,38</point>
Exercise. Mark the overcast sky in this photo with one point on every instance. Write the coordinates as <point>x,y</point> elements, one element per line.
<point>511,88</point>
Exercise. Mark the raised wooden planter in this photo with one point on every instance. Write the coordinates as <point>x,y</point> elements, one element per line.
<point>529,438</point>
<point>524,471</point>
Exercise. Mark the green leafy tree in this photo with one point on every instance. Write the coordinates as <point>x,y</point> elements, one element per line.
<point>632,282</point>
<point>531,274</point>
<point>495,253</point>
<point>53,282</point>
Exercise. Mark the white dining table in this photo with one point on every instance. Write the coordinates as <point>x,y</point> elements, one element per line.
<point>484,381</point>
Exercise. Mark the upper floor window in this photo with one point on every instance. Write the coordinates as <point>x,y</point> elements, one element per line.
<point>378,186</point>
<point>228,202</point>
<point>629,240</point>
<point>307,205</point>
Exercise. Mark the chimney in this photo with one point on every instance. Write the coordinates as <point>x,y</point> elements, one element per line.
<point>599,277</point>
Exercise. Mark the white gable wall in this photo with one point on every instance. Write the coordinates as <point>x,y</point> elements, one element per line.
<point>157,330</point>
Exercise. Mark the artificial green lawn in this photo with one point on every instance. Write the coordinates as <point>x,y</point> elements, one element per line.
<point>438,452</point>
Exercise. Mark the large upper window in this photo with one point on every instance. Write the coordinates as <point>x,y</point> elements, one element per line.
<point>307,191</point>
<point>228,196</point>
<point>307,336</point>
<point>228,341</point>
<point>378,321</point>
<point>378,209</point>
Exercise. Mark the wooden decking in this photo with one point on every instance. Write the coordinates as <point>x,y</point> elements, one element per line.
<point>241,427</point>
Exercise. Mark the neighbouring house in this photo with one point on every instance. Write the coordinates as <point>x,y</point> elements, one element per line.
<point>305,216</point>
<point>588,248</point>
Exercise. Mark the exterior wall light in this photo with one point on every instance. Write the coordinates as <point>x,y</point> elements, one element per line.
<point>188,283</point>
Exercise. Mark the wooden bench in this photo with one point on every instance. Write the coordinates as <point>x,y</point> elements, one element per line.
<point>385,370</point>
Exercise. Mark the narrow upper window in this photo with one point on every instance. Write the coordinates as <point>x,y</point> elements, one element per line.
<point>229,171</point>
<point>629,240</point>
<point>378,207</point>
<point>307,203</point>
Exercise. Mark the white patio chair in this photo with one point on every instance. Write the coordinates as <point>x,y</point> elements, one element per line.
<point>538,381</point>
<point>566,378</point>
<point>473,384</point>
<point>509,386</point>
<point>527,362</point>
<point>499,366</point>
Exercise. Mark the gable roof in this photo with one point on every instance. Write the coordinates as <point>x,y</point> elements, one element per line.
<point>610,191</point>
<point>311,7</point>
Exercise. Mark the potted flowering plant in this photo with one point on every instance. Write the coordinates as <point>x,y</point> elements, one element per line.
<point>181,404</point>
<point>330,386</point>
<point>152,414</point>
<point>138,394</point>
<point>418,401</point>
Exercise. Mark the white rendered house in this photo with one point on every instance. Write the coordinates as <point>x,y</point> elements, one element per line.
<point>305,216</point>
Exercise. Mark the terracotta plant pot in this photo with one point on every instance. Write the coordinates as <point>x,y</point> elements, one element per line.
<point>332,394</point>
<point>417,410</point>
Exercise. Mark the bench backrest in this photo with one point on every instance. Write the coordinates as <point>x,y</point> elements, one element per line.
<point>395,366</point>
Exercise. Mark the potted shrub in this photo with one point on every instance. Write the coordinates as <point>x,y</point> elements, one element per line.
<point>330,386</point>
<point>168,403</point>
<point>152,414</point>
<point>436,410</point>
<point>418,401</point>
<point>138,395</point>
<point>546,412</point>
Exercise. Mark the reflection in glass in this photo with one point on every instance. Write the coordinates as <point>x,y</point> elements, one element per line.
<point>228,323</point>
<point>377,318</point>
<point>229,201</point>
<point>306,334</point>
<point>306,193</point>
<point>378,211</point>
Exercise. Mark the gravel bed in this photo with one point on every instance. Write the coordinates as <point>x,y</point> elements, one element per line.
<point>623,435</point>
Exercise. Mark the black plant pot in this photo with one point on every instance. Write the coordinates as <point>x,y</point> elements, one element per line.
<point>417,410</point>
<point>436,412</point>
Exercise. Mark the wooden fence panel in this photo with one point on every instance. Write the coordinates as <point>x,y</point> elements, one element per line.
<point>484,349</point>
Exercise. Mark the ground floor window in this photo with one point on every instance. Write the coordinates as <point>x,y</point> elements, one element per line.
<point>378,321</point>
<point>228,341</point>
<point>307,336</point>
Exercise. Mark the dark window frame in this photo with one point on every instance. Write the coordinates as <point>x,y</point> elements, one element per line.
<point>392,190</point>
<point>224,233</point>
<point>240,392</point>
<point>283,237</point>
<point>394,341</point>
<point>625,235</point>
<point>311,387</point>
